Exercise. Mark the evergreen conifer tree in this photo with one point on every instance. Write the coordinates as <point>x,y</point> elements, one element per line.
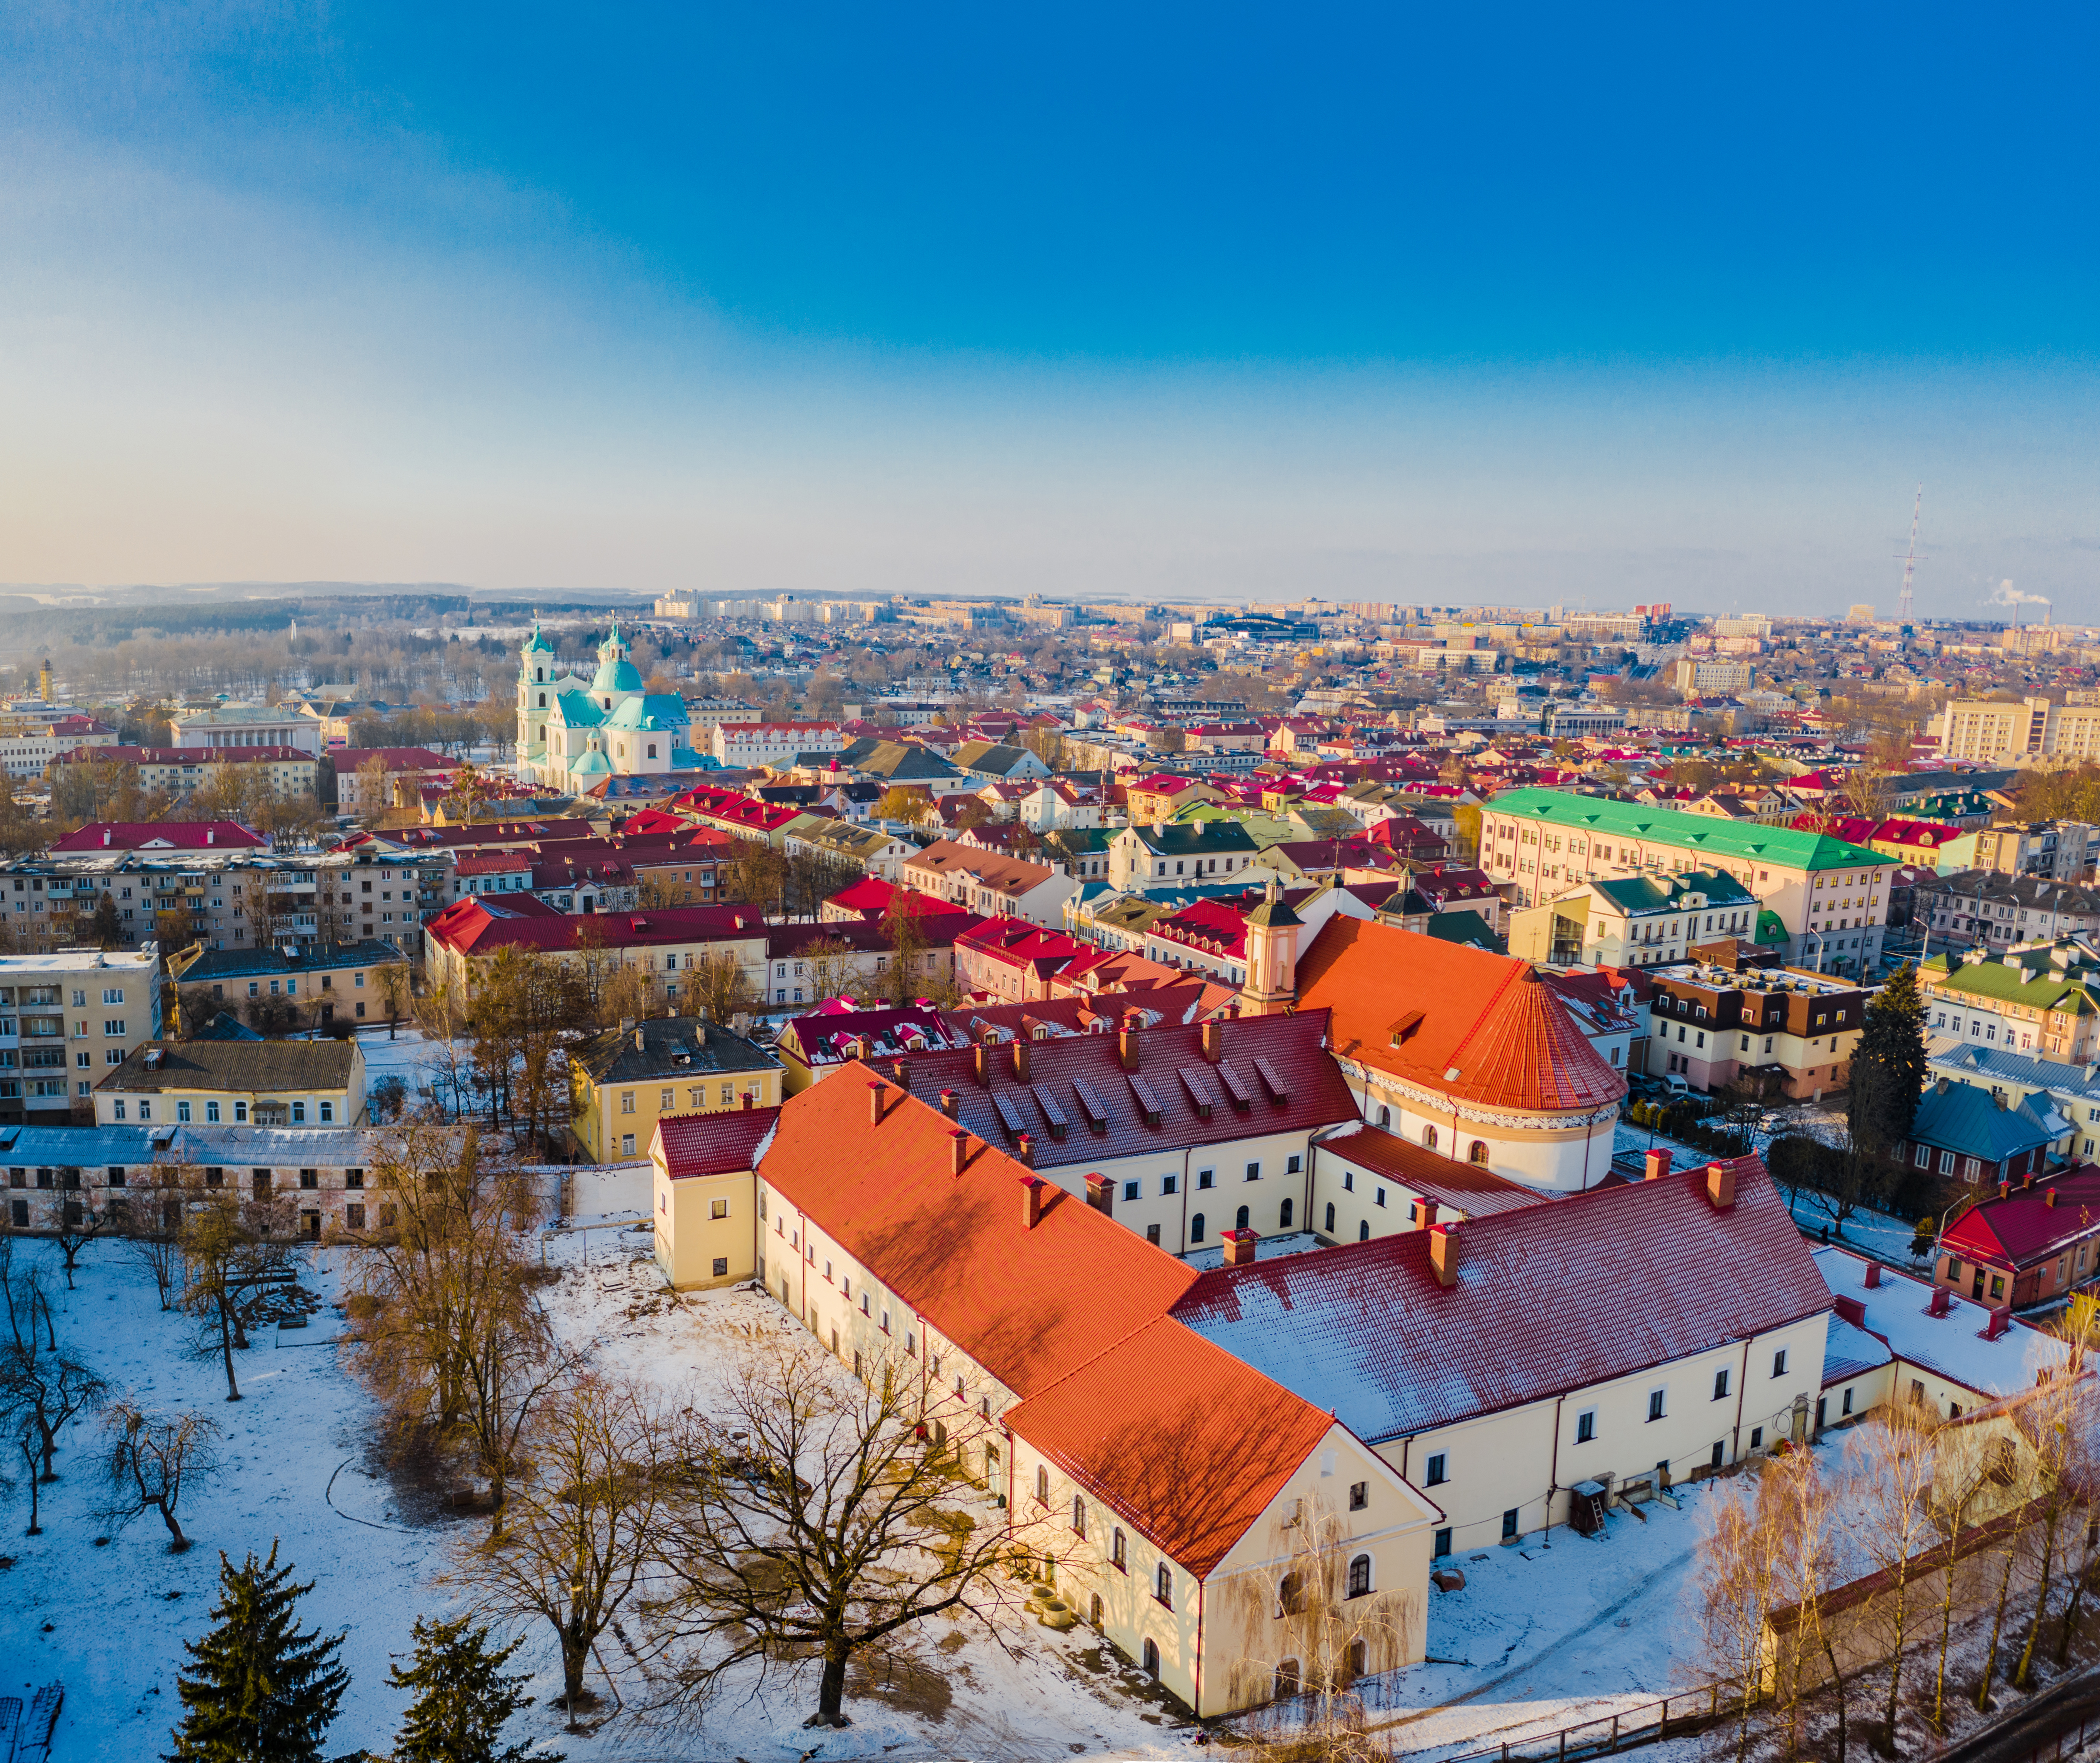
<point>463,1697</point>
<point>257,1689</point>
<point>1888,1065</point>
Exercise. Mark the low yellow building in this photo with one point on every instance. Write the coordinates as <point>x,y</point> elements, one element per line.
<point>625,1080</point>
<point>235,1083</point>
<point>704,1195</point>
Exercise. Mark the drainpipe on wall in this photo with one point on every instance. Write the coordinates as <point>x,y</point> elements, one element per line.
<point>1199,1649</point>
<point>1742,1383</point>
<point>1553,1474</point>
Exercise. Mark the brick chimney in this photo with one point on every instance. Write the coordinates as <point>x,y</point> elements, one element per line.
<point>1031,1201</point>
<point>863,1048</point>
<point>1943,1302</point>
<point>1126,1043</point>
<point>1658,1165</point>
<point>1240,1247</point>
<point>2001,1319</point>
<point>1428,1215</point>
<point>1443,1254</point>
<point>949,1105</point>
<point>2049,1196</point>
<point>959,1152</point>
<point>1021,1058</point>
<point>1214,1042</point>
<point>1101,1194</point>
<point>1721,1185</point>
<point>1873,1275</point>
<point>1024,1149</point>
<point>750,1100</point>
<point>903,1073</point>
<point>980,1064</point>
<point>874,1102</point>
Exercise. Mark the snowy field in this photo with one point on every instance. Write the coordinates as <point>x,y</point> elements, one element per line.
<point>1538,1637</point>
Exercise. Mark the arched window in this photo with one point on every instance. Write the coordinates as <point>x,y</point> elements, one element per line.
<point>1151,1658</point>
<point>1364,1231</point>
<point>543,701</point>
<point>1094,1610</point>
<point>1291,1594</point>
<point>1042,1484</point>
<point>1240,1219</point>
<point>540,673</point>
<point>1118,1551</point>
<point>959,1383</point>
<point>1079,1516</point>
<point>1283,1218</point>
<point>1385,1116</point>
<point>1360,1576</point>
<point>1330,1217</point>
<point>1163,1585</point>
<point>1479,1152</point>
<point>1286,1678</point>
<point>1429,1137</point>
<point>1196,1229</point>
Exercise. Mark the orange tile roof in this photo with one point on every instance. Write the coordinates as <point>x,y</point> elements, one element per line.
<point>1422,1009</point>
<point>1185,1441</point>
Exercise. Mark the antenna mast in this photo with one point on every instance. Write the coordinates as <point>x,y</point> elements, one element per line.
<point>1910,560</point>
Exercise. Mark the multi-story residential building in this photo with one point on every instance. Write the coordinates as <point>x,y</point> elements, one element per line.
<point>1790,1032</point>
<point>877,852</point>
<point>1698,676</point>
<point>1984,909</point>
<point>66,1018</point>
<point>1012,960</point>
<point>2058,850</point>
<point>2032,729</point>
<point>2072,1091</point>
<point>344,771</point>
<point>1162,795</point>
<point>625,1080</point>
<point>742,745</point>
<point>2041,998</point>
<point>293,772</point>
<point>1637,921</point>
<point>990,882</point>
<point>1156,856</point>
<point>1829,896</point>
<point>235,1083</point>
<point>247,726</point>
<point>324,983</point>
<point>33,735</point>
<point>663,944</point>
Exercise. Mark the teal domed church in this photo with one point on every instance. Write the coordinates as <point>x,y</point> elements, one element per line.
<point>574,732</point>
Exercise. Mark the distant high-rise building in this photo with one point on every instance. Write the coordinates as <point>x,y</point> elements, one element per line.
<point>1859,615</point>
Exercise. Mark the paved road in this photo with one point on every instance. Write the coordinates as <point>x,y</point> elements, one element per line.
<point>2049,1717</point>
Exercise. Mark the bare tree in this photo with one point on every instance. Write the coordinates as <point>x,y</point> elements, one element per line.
<point>719,988</point>
<point>582,1525</point>
<point>441,1016</point>
<point>149,1459</point>
<point>79,1224</point>
<point>1897,1471</point>
<point>2062,1423</point>
<point>831,1525</point>
<point>223,1247</point>
<point>1738,1567</point>
<point>395,992</point>
<point>1327,1631</point>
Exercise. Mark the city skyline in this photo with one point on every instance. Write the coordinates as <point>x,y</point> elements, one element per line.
<point>1169,308</point>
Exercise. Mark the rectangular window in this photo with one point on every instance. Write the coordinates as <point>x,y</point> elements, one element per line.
<point>627,1101</point>
<point>1132,1190</point>
<point>1359,1495</point>
<point>1586,1426</point>
<point>1253,1172</point>
<point>1206,1177</point>
<point>1847,1407</point>
<point>718,1208</point>
<point>1170,1184</point>
<point>1442,1544</point>
<point>1655,1404</point>
<point>1433,1472</point>
<point>1293,1165</point>
<point>1510,1522</point>
<point>211,1114</point>
<point>1721,1384</point>
<point>1779,1363</point>
<point>183,1111</point>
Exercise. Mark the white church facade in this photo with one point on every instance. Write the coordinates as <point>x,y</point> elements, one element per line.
<point>574,732</point>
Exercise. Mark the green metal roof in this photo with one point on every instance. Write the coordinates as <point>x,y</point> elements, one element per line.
<point>2050,989</point>
<point>1702,834</point>
<point>1635,894</point>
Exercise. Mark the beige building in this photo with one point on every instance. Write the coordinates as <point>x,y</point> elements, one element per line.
<point>705,1195</point>
<point>2015,734</point>
<point>66,1020</point>
<point>235,1083</point>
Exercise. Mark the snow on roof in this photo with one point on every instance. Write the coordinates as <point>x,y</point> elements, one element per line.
<point>714,1144</point>
<point>1540,1306</point>
<point>1898,1313</point>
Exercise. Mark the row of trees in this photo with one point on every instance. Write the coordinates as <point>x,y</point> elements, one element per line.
<point>2007,1503</point>
<point>813,1520</point>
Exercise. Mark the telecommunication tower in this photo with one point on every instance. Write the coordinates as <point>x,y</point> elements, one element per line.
<point>1910,560</point>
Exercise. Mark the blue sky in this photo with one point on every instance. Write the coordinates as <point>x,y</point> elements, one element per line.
<point>1368,302</point>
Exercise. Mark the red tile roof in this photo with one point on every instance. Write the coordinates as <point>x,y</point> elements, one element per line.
<point>2023,1227</point>
<point>1481,1028</point>
<point>177,834</point>
<point>713,1144</point>
<point>1315,1093</point>
<point>1468,1188</point>
<point>485,923</point>
<point>1548,1299</point>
